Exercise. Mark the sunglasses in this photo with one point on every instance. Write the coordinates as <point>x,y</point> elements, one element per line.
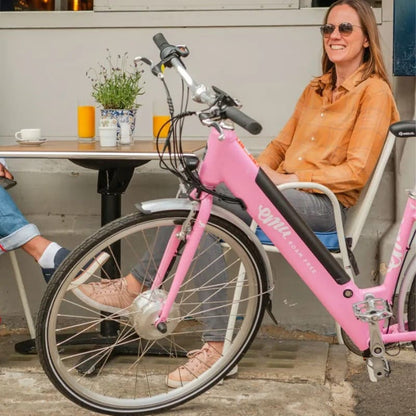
<point>344,29</point>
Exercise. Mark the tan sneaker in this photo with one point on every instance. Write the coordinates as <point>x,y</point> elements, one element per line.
<point>90,268</point>
<point>108,295</point>
<point>199,362</point>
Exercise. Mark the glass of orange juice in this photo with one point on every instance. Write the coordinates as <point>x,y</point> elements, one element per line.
<point>161,119</point>
<point>86,123</point>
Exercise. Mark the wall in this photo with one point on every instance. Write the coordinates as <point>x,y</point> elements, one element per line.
<point>262,57</point>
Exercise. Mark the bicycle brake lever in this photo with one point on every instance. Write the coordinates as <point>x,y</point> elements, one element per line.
<point>211,123</point>
<point>143,59</point>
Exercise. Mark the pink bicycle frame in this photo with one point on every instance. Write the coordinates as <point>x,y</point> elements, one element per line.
<point>228,161</point>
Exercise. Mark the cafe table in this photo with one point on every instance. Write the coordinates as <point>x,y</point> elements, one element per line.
<point>115,166</point>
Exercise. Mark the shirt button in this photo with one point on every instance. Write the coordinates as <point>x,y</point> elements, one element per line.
<point>300,158</point>
<point>312,138</point>
<point>322,114</point>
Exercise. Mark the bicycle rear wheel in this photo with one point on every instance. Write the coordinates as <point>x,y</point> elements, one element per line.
<point>223,293</point>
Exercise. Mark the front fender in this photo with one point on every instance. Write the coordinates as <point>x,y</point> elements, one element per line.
<point>174,204</point>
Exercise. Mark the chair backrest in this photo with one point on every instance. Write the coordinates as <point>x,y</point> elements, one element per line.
<point>357,215</point>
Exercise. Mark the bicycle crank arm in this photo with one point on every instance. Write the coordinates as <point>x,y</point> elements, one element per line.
<point>377,368</point>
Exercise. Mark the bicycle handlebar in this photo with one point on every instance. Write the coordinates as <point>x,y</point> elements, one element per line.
<point>170,55</point>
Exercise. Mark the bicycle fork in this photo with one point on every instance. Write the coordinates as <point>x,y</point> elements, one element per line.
<point>190,233</point>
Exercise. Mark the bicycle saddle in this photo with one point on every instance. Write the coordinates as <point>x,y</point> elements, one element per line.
<point>405,128</point>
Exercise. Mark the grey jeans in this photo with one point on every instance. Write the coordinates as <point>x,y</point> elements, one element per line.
<point>315,209</point>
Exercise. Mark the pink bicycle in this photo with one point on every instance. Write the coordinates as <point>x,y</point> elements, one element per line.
<point>210,274</point>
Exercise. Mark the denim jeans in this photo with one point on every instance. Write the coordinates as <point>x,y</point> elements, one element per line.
<point>15,230</point>
<point>315,209</point>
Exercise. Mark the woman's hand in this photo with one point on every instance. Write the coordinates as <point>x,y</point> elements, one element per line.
<point>4,172</point>
<point>279,178</point>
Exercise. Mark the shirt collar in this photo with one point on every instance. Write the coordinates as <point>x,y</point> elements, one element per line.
<point>354,79</point>
<point>325,80</point>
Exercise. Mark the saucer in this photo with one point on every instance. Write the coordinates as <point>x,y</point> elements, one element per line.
<point>36,142</point>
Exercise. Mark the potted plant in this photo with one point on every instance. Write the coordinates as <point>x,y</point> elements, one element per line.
<point>116,86</point>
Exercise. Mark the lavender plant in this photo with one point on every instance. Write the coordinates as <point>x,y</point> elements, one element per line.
<point>116,85</point>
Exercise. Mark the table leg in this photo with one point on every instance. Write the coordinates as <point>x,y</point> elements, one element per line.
<point>111,184</point>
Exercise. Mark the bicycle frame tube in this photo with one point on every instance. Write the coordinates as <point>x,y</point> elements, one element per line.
<point>168,255</point>
<point>293,238</point>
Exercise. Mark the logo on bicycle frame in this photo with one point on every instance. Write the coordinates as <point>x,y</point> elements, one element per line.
<point>266,217</point>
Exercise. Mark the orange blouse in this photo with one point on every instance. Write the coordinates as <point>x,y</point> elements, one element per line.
<point>336,144</point>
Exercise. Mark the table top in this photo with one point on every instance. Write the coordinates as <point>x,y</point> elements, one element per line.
<point>73,149</point>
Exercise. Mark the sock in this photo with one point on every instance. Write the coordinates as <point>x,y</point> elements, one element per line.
<point>46,260</point>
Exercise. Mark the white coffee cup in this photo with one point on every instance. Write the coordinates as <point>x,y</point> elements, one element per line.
<point>108,136</point>
<point>28,135</point>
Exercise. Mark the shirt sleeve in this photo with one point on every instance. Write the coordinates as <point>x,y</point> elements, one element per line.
<point>369,131</point>
<point>275,151</point>
<point>3,162</point>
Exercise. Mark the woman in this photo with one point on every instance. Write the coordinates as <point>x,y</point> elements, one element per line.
<point>334,137</point>
<point>338,129</point>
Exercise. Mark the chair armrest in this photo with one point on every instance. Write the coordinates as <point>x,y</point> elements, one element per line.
<point>335,204</point>
<point>337,216</point>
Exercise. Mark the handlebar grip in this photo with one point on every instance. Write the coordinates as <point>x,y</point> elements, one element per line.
<point>243,120</point>
<point>163,45</point>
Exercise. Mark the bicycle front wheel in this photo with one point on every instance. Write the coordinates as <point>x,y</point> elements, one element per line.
<point>99,360</point>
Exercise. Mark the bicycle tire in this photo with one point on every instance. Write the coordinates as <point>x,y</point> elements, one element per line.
<point>134,384</point>
<point>411,309</point>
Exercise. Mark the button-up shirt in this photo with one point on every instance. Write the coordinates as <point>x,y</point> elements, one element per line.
<point>335,143</point>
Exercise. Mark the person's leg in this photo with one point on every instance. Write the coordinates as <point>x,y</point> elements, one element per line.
<point>315,209</point>
<point>17,232</point>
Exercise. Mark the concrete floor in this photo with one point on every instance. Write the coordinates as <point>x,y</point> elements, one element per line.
<point>288,377</point>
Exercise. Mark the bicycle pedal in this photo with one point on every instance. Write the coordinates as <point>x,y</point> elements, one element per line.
<point>377,368</point>
<point>372,309</point>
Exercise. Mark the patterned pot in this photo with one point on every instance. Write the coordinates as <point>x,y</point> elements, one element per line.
<point>123,118</point>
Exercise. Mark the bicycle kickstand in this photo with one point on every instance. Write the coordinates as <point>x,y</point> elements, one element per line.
<point>372,311</point>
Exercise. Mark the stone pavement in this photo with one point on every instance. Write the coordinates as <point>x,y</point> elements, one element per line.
<point>288,377</point>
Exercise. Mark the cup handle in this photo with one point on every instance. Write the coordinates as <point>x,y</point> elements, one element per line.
<point>17,135</point>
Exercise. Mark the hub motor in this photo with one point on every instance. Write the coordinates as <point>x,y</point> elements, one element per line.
<point>145,310</point>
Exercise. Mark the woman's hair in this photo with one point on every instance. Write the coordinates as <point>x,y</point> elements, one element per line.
<point>373,58</point>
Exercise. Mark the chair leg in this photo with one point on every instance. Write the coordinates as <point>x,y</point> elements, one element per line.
<point>339,336</point>
<point>22,293</point>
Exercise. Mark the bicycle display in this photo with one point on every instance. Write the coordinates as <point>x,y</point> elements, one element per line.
<point>210,274</point>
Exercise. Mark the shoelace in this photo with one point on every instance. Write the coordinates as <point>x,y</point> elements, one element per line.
<point>196,360</point>
<point>106,284</point>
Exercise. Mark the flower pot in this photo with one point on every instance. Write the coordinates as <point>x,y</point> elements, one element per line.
<point>122,117</point>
